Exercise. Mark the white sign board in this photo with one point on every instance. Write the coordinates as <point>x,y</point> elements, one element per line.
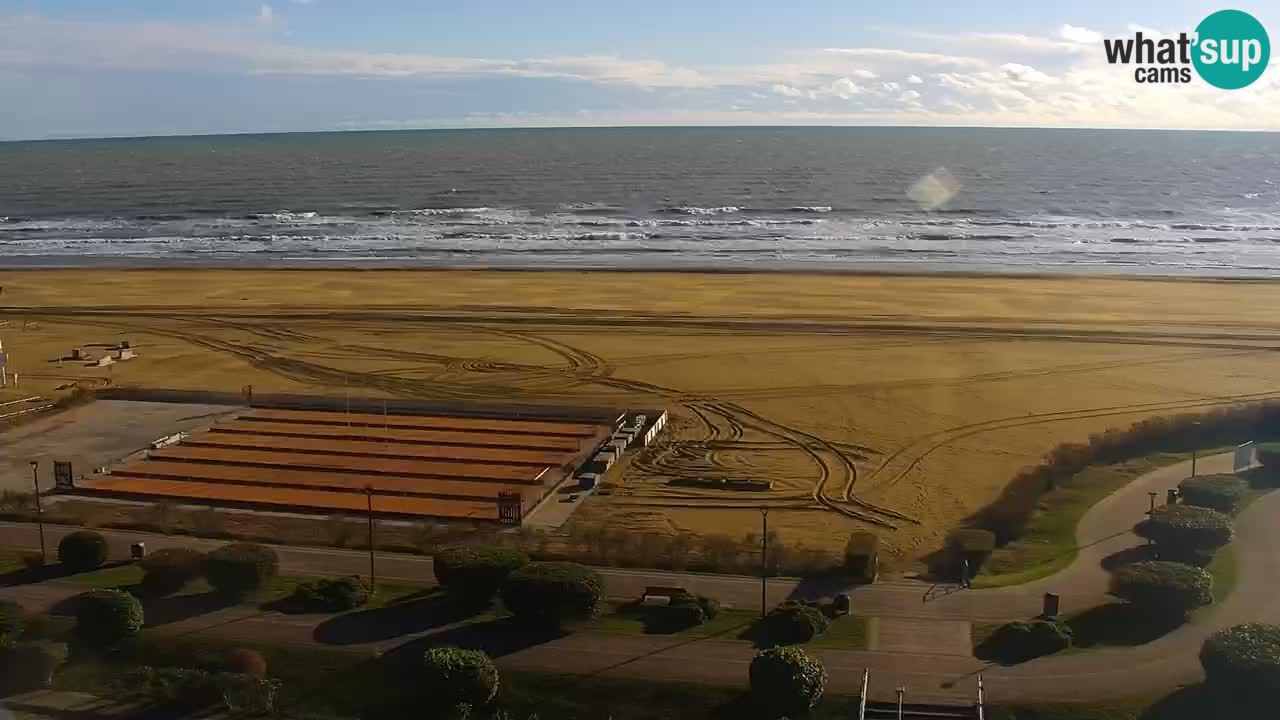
<point>1243,457</point>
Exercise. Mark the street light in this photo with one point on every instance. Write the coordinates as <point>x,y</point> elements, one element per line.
<point>1194,450</point>
<point>764,561</point>
<point>373,579</point>
<point>35,484</point>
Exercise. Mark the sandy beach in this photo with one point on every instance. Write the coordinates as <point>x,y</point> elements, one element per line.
<point>896,403</point>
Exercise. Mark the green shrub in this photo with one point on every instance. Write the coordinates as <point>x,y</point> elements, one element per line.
<point>1224,493</point>
<point>331,594</point>
<point>548,594</point>
<point>30,666</point>
<point>1185,529</point>
<point>106,617</point>
<point>861,554</point>
<point>786,682</point>
<point>1269,455</point>
<point>13,621</point>
<point>710,606</point>
<point>82,551</point>
<point>167,571</point>
<point>972,544</point>
<point>170,686</point>
<point>242,661</point>
<point>1021,641</point>
<point>241,569</point>
<point>677,616</point>
<point>247,695</point>
<point>792,623</point>
<point>1243,660</point>
<point>1165,589</point>
<point>453,676</point>
<point>474,575</point>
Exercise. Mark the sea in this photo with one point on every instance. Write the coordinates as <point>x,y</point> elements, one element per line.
<point>852,199</point>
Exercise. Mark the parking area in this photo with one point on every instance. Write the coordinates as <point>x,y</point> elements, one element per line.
<point>94,435</point>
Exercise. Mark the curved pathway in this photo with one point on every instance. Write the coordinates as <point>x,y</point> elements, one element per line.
<point>1105,529</point>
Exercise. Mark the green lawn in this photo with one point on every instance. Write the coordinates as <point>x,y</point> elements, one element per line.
<point>1049,544</point>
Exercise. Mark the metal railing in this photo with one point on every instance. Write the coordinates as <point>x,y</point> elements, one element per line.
<point>981,697</point>
<point>862,703</point>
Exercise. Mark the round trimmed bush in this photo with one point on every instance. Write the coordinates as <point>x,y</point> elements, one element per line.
<point>167,571</point>
<point>474,575</point>
<point>452,676</point>
<point>241,569</point>
<point>105,617</point>
<point>1224,493</point>
<point>29,666</point>
<point>1244,659</point>
<point>1186,529</point>
<point>792,623</point>
<point>243,661</point>
<point>549,594</point>
<point>861,554</point>
<point>1021,641</point>
<point>331,594</point>
<point>13,621</point>
<point>786,681</point>
<point>83,550</point>
<point>1168,589</point>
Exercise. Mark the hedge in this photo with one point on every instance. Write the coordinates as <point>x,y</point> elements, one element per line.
<point>1244,659</point>
<point>452,676</point>
<point>1163,588</point>
<point>106,617</point>
<point>1224,493</point>
<point>549,594</point>
<point>241,569</point>
<point>1021,641</point>
<point>30,666</point>
<point>786,682</point>
<point>82,551</point>
<point>167,571</point>
<point>1186,529</point>
<point>972,544</point>
<point>1009,515</point>
<point>331,594</point>
<point>792,623</point>
<point>13,621</point>
<point>474,575</point>
<point>861,554</point>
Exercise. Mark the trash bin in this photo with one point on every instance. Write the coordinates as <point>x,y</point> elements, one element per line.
<point>1051,601</point>
<point>138,550</point>
<point>1173,496</point>
<point>841,604</point>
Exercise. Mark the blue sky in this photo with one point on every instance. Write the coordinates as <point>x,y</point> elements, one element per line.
<point>99,67</point>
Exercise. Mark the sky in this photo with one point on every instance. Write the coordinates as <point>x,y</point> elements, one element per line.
<point>96,68</point>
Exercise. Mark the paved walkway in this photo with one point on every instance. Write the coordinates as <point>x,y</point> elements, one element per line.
<point>931,671</point>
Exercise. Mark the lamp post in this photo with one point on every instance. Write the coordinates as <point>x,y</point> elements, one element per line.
<point>373,579</point>
<point>901,691</point>
<point>764,561</point>
<point>35,485</point>
<point>1194,450</point>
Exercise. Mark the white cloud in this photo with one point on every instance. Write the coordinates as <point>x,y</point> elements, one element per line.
<point>915,79</point>
<point>1077,34</point>
<point>1024,74</point>
<point>864,74</point>
<point>844,88</point>
<point>891,86</point>
<point>266,15</point>
<point>909,96</point>
<point>788,91</point>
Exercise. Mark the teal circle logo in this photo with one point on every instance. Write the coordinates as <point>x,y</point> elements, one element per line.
<point>1231,49</point>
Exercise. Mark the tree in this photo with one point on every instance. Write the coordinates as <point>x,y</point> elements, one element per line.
<point>82,551</point>
<point>861,555</point>
<point>474,575</point>
<point>1224,493</point>
<point>13,621</point>
<point>167,571</point>
<point>241,569</point>
<point>548,594</point>
<point>786,682</point>
<point>242,661</point>
<point>452,676</point>
<point>1186,533</point>
<point>1244,660</point>
<point>1166,589</point>
<point>331,594</point>
<point>106,617</point>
